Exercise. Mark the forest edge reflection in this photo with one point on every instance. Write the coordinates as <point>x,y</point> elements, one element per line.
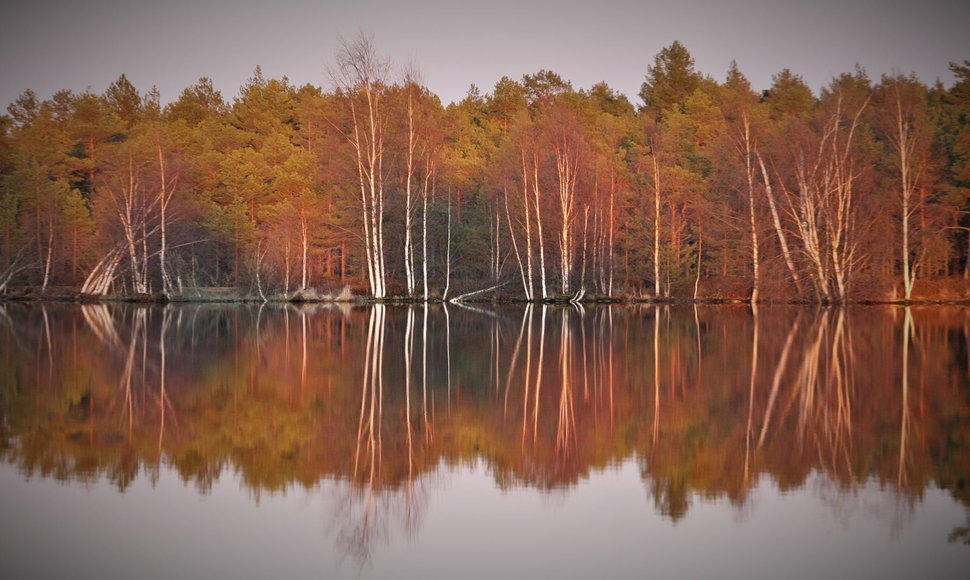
<point>705,399</point>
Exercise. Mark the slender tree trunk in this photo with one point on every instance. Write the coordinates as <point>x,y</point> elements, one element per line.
<point>429,170</point>
<point>408,246</point>
<point>905,143</point>
<point>167,191</point>
<point>566,168</point>
<point>609,290</point>
<point>305,242</point>
<point>50,255</point>
<point>700,248</point>
<point>776,221</point>
<point>749,173</point>
<point>582,275</point>
<point>286,263</point>
<point>444,295</point>
<point>515,246</point>
<point>542,248</point>
<point>656,226</point>
<point>528,229</point>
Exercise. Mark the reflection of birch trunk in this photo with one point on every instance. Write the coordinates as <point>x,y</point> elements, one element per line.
<point>164,402</point>
<point>841,377</point>
<point>448,350</point>
<point>408,354</point>
<point>424,373</point>
<point>99,320</point>
<point>776,380</point>
<point>567,419</point>
<point>754,374</point>
<point>495,353</point>
<point>515,360</point>
<point>808,375</point>
<point>303,362</point>
<point>128,370</point>
<point>368,427</point>
<point>528,373</point>
<point>582,330</point>
<point>904,419</point>
<point>538,389</point>
<point>700,354</point>
<point>656,374</point>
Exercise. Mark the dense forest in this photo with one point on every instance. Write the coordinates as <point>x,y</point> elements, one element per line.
<point>536,190</point>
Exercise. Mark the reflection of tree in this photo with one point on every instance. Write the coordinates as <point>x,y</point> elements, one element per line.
<point>961,534</point>
<point>120,390</point>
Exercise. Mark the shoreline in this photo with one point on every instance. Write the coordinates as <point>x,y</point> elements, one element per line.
<point>404,300</point>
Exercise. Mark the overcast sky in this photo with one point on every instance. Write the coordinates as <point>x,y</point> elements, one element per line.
<point>51,45</point>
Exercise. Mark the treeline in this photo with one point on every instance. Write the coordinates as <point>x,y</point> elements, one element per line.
<point>702,188</point>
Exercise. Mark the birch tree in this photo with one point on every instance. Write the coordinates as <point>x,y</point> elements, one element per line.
<point>360,77</point>
<point>903,123</point>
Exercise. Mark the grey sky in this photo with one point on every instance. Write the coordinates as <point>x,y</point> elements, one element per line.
<point>52,45</point>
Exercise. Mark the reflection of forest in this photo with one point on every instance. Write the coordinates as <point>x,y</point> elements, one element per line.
<point>381,396</point>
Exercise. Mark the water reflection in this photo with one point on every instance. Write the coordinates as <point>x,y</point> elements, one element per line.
<point>708,400</point>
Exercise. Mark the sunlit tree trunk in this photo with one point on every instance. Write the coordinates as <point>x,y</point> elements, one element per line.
<point>776,221</point>
<point>305,243</point>
<point>408,211</point>
<point>530,293</point>
<point>656,226</point>
<point>841,206</point>
<point>609,288</point>
<point>515,245</point>
<point>286,262</point>
<point>906,141</point>
<point>49,258</point>
<point>805,208</point>
<point>567,165</point>
<point>542,248</point>
<point>700,249</point>
<point>582,274</point>
<point>749,174</point>
<point>444,295</point>
<point>429,171</point>
<point>167,191</point>
<point>362,73</point>
<point>127,208</point>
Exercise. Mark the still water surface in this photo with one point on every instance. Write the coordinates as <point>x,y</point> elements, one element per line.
<point>556,442</point>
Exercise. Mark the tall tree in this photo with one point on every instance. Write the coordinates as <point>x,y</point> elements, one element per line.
<point>360,76</point>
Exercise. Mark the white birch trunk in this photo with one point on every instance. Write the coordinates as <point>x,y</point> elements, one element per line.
<point>749,173</point>
<point>542,248</point>
<point>776,221</point>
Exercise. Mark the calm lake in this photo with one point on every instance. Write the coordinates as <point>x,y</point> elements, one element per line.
<point>201,441</point>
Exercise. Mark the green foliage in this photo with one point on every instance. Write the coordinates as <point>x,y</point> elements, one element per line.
<point>670,79</point>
